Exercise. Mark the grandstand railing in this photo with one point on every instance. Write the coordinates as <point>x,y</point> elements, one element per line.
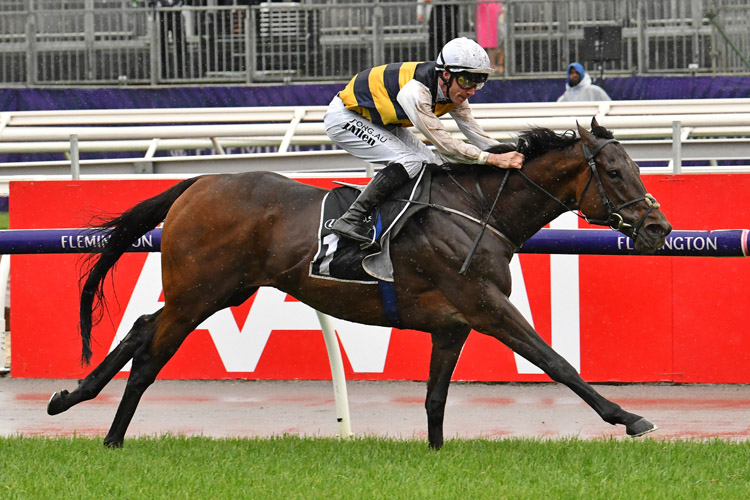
<point>711,134</point>
<point>127,42</point>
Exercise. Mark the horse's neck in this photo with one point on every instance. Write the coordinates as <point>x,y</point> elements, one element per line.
<point>530,207</point>
<point>522,209</point>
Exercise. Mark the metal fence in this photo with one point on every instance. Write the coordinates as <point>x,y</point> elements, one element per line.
<point>633,36</point>
<point>130,42</point>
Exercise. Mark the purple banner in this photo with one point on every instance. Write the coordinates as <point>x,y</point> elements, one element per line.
<point>37,241</point>
<point>310,94</point>
<point>719,243</point>
<point>495,91</point>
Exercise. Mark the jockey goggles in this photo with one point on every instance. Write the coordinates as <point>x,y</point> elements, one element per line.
<point>469,81</point>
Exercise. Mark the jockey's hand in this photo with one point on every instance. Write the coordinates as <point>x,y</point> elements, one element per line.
<point>506,160</point>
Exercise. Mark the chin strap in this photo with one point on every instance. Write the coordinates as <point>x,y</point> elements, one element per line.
<point>448,84</point>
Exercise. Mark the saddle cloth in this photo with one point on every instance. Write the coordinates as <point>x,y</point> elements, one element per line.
<point>342,259</point>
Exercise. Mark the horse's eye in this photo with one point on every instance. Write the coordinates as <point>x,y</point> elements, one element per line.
<point>613,174</point>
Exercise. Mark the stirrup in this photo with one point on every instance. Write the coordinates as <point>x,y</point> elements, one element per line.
<point>369,244</point>
<point>350,232</point>
<point>365,242</point>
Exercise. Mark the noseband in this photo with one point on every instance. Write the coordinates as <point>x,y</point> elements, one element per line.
<point>614,218</point>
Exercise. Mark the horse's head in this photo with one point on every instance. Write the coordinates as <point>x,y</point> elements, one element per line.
<point>614,195</point>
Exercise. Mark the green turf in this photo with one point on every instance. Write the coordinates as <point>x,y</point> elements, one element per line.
<point>372,468</point>
<point>4,220</point>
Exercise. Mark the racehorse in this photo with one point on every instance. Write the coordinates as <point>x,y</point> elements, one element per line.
<point>226,235</point>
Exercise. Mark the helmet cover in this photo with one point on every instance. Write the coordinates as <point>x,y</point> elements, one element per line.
<point>463,55</point>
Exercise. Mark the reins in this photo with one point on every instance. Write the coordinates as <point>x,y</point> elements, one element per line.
<point>614,220</point>
<point>486,221</point>
<point>590,160</point>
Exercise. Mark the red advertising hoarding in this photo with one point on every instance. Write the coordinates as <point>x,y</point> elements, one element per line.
<point>616,318</point>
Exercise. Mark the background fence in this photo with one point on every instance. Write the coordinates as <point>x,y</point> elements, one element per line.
<point>127,42</point>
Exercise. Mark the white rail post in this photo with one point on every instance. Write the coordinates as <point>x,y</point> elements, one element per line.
<point>299,114</point>
<point>75,164</point>
<point>337,375</point>
<point>676,147</point>
<point>4,278</point>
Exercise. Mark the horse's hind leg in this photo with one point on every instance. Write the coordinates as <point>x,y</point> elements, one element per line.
<point>88,388</point>
<point>446,348</point>
<point>147,363</point>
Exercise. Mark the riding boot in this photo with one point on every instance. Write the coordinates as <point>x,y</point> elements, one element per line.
<point>352,224</point>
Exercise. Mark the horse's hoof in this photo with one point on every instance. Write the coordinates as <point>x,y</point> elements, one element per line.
<point>436,446</point>
<point>640,427</point>
<point>116,444</point>
<point>55,404</point>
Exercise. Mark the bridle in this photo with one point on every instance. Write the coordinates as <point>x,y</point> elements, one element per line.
<point>614,219</point>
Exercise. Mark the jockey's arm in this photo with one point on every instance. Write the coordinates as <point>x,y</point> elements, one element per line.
<point>416,101</point>
<point>468,125</point>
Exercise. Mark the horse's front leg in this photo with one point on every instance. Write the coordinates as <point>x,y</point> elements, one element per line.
<point>500,319</point>
<point>446,348</point>
<point>91,386</point>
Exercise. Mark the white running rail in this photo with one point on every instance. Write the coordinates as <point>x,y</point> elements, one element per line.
<point>709,129</point>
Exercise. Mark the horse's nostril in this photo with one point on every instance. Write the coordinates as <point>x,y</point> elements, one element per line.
<point>659,229</point>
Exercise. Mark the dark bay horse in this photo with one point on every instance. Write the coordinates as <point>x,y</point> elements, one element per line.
<point>226,235</point>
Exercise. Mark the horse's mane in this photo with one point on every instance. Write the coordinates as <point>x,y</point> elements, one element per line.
<point>535,142</point>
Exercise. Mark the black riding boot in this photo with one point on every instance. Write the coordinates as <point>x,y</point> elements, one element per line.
<point>351,225</point>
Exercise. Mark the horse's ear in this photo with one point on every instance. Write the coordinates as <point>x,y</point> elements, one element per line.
<point>594,123</point>
<point>585,134</point>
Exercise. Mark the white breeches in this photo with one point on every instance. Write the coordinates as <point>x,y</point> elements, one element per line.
<point>374,143</point>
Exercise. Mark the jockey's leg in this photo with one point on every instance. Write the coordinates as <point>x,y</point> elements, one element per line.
<point>352,224</point>
<point>402,152</point>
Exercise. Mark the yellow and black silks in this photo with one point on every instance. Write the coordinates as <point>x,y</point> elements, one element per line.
<point>372,93</point>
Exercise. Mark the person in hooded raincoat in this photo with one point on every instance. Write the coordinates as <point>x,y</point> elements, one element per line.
<point>579,87</point>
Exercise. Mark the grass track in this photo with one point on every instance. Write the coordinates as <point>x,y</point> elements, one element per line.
<point>371,468</point>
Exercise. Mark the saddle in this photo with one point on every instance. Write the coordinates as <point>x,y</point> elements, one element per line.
<point>342,259</point>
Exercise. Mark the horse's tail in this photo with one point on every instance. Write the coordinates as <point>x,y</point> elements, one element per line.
<point>122,231</point>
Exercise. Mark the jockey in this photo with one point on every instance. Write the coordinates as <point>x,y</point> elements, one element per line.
<point>370,116</point>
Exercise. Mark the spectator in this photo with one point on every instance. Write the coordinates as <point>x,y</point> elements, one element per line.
<point>580,88</point>
<point>442,19</point>
<point>487,18</point>
<point>424,11</point>
<point>172,42</point>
